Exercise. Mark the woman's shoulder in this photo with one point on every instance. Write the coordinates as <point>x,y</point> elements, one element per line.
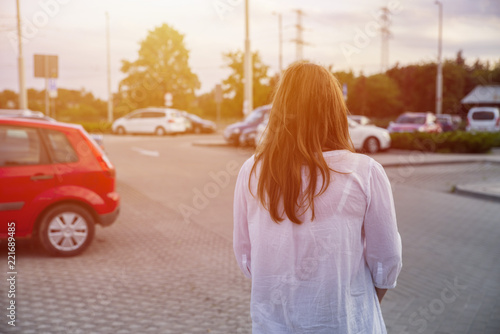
<point>350,159</point>
<point>247,165</point>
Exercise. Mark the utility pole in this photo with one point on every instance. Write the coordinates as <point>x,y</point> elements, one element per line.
<point>299,41</point>
<point>110,93</point>
<point>439,76</point>
<point>280,27</point>
<point>248,102</point>
<point>23,99</point>
<point>386,34</point>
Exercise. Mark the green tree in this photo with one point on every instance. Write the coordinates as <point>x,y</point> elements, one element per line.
<point>375,96</point>
<point>233,85</point>
<point>162,66</point>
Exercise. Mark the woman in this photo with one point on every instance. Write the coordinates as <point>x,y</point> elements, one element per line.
<point>314,223</point>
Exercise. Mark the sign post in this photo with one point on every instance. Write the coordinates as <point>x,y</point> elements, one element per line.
<point>168,100</point>
<point>218,100</point>
<point>47,67</point>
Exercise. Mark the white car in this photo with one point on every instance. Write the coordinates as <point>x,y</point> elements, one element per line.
<point>369,138</point>
<point>363,120</point>
<point>366,138</point>
<point>483,119</point>
<point>158,121</point>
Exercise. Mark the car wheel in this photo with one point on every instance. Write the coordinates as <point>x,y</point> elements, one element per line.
<point>160,131</point>
<point>66,230</point>
<point>121,130</point>
<point>371,145</point>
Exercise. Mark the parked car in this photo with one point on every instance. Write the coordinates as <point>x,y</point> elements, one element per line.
<point>39,116</point>
<point>415,122</point>
<point>232,132</point>
<point>56,184</point>
<point>446,122</point>
<point>363,120</point>
<point>261,128</point>
<point>369,138</point>
<point>483,119</point>
<point>366,138</point>
<point>198,124</point>
<point>158,121</point>
<point>25,113</point>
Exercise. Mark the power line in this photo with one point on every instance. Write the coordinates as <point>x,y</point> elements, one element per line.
<point>299,40</point>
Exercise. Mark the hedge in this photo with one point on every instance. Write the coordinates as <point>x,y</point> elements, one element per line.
<point>446,142</point>
<point>96,127</point>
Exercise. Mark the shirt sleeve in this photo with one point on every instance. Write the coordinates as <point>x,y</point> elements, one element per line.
<point>241,237</point>
<point>383,247</point>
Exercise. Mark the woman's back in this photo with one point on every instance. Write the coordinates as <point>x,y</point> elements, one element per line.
<point>314,223</point>
<point>313,277</point>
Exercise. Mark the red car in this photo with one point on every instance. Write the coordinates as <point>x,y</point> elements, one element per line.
<point>415,122</point>
<point>55,185</point>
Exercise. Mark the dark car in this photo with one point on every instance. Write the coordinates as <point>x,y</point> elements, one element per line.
<point>446,122</point>
<point>198,124</point>
<point>56,184</point>
<point>247,127</point>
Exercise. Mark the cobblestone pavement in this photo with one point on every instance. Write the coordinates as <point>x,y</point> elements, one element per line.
<point>450,281</point>
<point>153,273</point>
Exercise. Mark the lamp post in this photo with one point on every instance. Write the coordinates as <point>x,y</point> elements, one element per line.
<point>108,56</point>
<point>439,76</point>
<point>248,102</point>
<point>23,100</point>
<point>280,40</point>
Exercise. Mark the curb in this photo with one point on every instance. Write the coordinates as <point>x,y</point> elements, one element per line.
<point>470,191</point>
<point>430,163</point>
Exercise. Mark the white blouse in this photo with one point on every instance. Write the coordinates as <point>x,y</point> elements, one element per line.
<point>319,277</point>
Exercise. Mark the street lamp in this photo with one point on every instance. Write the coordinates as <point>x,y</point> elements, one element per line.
<point>439,76</point>
<point>248,103</point>
<point>23,100</point>
<point>281,40</point>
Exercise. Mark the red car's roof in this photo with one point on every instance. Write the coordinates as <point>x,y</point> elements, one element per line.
<point>39,123</point>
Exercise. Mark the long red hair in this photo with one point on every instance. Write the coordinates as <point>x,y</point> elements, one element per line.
<point>308,116</point>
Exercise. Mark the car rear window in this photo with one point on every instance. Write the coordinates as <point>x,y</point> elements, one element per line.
<point>483,116</point>
<point>20,146</point>
<point>60,147</point>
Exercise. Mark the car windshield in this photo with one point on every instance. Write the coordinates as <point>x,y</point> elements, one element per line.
<point>444,119</point>
<point>407,119</point>
<point>253,117</point>
<point>194,117</point>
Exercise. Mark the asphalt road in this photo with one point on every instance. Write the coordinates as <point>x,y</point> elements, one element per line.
<point>197,182</point>
<point>166,265</point>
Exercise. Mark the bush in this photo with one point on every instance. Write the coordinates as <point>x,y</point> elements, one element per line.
<point>96,127</point>
<point>446,142</point>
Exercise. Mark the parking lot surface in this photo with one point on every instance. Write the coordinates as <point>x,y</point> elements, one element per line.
<point>167,266</point>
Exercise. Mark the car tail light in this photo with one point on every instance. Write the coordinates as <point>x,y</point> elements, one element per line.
<point>171,120</point>
<point>102,159</point>
<point>106,165</point>
<point>498,121</point>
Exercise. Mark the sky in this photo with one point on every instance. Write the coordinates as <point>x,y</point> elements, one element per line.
<point>339,33</point>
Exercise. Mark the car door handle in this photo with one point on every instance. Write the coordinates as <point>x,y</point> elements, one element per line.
<point>38,177</point>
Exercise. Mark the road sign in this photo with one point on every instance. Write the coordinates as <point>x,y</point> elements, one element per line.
<point>52,88</point>
<point>46,66</point>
